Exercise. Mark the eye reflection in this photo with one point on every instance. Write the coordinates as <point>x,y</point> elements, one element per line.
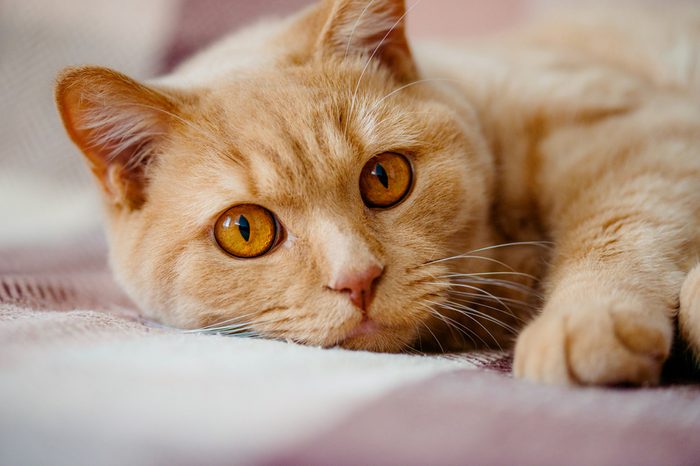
<point>380,173</point>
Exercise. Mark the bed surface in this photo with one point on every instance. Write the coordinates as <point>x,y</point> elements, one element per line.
<point>84,380</point>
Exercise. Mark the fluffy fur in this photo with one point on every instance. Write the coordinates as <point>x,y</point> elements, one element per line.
<point>584,153</point>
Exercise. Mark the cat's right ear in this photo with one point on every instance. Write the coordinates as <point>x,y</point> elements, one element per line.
<point>118,124</point>
<point>374,29</point>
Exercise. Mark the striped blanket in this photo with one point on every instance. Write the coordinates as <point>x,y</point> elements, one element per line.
<point>84,380</point>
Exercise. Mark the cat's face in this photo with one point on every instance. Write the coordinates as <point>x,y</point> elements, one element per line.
<point>287,165</point>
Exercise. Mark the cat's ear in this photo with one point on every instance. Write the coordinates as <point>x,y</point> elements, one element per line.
<point>118,124</point>
<point>375,29</point>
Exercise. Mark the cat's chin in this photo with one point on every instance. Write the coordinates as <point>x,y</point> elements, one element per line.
<point>365,328</point>
<point>373,344</point>
<point>369,335</point>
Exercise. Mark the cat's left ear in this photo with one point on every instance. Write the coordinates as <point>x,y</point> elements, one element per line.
<point>375,29</point>
<point>119,124</point>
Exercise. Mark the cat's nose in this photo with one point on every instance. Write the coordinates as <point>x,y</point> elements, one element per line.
<point>359,285</point>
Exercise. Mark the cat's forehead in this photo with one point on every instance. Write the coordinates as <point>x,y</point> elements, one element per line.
<point>294,137</point>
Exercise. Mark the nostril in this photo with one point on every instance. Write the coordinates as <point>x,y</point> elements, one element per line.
<point>359,285</point>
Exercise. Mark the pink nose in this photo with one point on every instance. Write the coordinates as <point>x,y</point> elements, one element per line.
<point>359,285</point>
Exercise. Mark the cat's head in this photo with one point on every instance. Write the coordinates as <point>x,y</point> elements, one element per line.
<point>299,195</point>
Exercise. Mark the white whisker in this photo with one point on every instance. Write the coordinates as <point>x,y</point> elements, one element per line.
<point>459,307</point>
<point>437,340</point>
<point>405,86</point>
<point>543,244</point>
<point>371,57</point>
<point>354,27</point>
<point>461,328</point>
<point>447,306</point>
<point>514,286</point>
<point>480,304</point>
<point>487,274</point>
<point>467,256</point>
<point>516,302</point>
<point>475,288</point>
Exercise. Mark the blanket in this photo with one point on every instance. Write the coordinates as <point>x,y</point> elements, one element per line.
<point>85,380</point>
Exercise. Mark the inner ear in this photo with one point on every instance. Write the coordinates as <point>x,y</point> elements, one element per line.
<point>375,29</point>
<point>118,124</point>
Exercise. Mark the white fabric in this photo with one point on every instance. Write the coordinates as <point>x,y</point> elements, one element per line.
<point>87,388</point>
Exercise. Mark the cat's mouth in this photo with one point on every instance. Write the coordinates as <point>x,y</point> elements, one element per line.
<point>366,329</point>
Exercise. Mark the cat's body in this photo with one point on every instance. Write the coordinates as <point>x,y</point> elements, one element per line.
<point>580,139</point>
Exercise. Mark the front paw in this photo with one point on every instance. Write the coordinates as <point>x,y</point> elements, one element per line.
<point>595,342</point>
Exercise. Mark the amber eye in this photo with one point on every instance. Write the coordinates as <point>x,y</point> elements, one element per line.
<point>386,180</point>
<point>246,231</point>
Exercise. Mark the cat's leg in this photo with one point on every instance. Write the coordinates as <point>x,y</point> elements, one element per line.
<point>615,280</point>
<point>689,315</point>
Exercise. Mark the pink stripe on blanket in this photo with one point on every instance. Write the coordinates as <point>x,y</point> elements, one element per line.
<point>474,417</point>
<point>64,277</point>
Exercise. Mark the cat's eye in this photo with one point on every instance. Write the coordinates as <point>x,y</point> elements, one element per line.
<point>247,231</point>
<point>386,180</point>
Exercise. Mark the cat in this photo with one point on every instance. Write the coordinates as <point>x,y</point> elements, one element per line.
<point>319,180</point>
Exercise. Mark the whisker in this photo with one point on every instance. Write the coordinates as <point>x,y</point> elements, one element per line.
<point>405,86</point>
<point>516,302</point>
<point>463,307</point>
<point>446,306</point>
<point>354,28</point>
<point>226,330</point>
<point>232,328</point>
<point>221,323</point>
<point>213,329</point>
<point>240,328</point>
<point>543,244</point>
<point>461,328</point>
<point>240,334</point>
<point>414,351</point>
<point>487,274</point>
<point>371,57</point>
<point>493,308</point>
<point>437,340</point>
<point>420,340</point>
<point>467,256</point>
<point>475,288</point>
<point>435,313</point>
<point>502,284</point>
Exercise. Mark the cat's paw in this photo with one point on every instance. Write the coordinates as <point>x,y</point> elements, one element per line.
<point>595,342</point>
<point>689,314</point>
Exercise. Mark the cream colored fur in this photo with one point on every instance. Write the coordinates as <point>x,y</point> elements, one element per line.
<point>580,133</point>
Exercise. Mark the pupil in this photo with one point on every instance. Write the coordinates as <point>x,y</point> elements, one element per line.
<point>244,227</point>
<point>381,174</point>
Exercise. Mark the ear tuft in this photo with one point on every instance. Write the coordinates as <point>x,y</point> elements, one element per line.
<point>117,123</point>
<point>370,28</point>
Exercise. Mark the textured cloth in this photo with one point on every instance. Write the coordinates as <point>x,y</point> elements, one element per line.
<point>83,380</point>
<point>476,417</point>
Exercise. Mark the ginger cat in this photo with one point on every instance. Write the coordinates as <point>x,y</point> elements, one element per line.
<point>317,179</point>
